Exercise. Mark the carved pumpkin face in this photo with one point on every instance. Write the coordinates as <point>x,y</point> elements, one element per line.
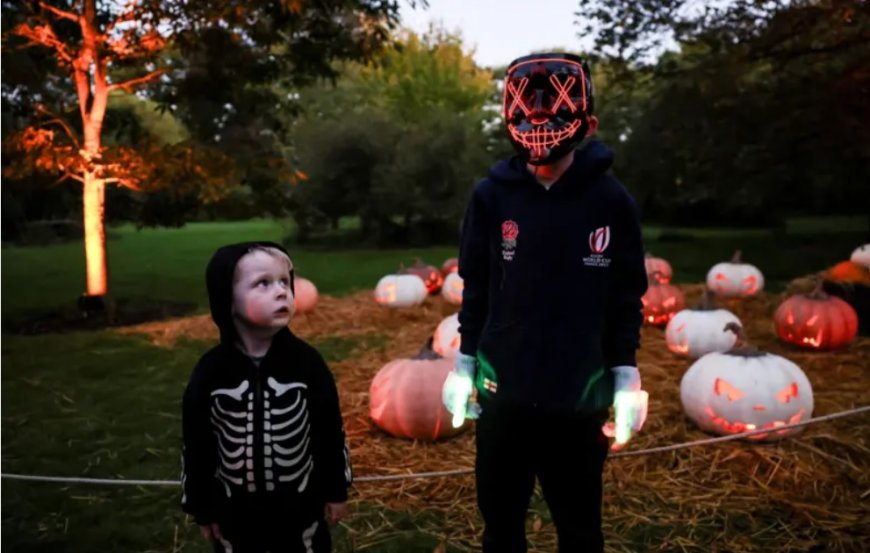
<point>430,275</point>
<point>449,266</point>
<point>816,321</point>
<point>446,340</point>
<point>452,289</point>
<point>658,268</point>
<point>305,296</point>
<point>661,302</point>
<point>405,399</point>
<point>400,291</point>
<point>728,393</point>
<point>696,332</point>
<point>735,279</point>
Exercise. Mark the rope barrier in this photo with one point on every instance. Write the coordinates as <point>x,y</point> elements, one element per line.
<point>455,472</point>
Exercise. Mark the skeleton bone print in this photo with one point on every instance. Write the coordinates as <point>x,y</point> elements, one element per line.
<point>285,439</point>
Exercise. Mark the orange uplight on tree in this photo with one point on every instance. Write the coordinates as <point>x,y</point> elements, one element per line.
<point>661,302</point>
<point>816,320</point>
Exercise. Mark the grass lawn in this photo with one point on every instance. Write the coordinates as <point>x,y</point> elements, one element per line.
<point>102,405</point>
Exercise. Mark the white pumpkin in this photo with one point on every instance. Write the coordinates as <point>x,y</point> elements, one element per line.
<point>734,279</point>
<point>446,340</point>
<point>743,390</point>
<point>861,255</point>
<point>305,295</point>
<point>700,330</point>
<point>400,291</point>
<point>452,288</point>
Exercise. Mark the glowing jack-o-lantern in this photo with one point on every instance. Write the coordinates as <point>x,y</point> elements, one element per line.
<point>861,256</point>
<point>700,330</point>
<point>658,267</point>
<point>449,266</point>
<point>816,320</point>
<point>305,295</point>
<point>661,302</point>
<point>400,291</point>
<point>405,399</point>
<point>745,389</point>
<point>735,279</point>
<point>446,340</point>
<point>430,276</point>
<point>452,289</point>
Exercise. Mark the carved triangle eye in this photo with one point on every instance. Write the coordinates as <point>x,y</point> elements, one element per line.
<point>723,388</point>
<point>786,394</point>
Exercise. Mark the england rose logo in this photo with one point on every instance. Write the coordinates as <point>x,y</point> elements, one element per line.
<point>509,232</point>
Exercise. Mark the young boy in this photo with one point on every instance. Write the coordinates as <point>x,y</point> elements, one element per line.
<point>552,262</point>
<point>265,462</point>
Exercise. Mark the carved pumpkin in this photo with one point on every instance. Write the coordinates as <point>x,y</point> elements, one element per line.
<point>745,389</point>
<point>700,330</point>
<point>735,279</point>
<point>816,320</point>
<point>400,291</point>
<point>659,267</point>
<point>450,266</point>
<point>661,302</point>
<point>305,295</point>
<point>430,276</point>
<point>405,399</point>
<point>452,289</point>
<point>446,339</point>
<point>849,272</point>
<point>861,256</point>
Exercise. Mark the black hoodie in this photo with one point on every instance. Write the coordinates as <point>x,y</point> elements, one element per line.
<point>553,283</point>
<point>259,435</point>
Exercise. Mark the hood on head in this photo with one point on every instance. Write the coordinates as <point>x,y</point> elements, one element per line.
<point>219,283</point>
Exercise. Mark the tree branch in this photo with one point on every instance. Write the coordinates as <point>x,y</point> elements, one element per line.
<point>128,85</point>
<point>59,13</point>
<point>60,121</point>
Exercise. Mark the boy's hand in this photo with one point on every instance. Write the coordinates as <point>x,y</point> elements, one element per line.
<point>335,512</point>
<point>457,389</point>
<point>629,406</point>
<point>211,532</point>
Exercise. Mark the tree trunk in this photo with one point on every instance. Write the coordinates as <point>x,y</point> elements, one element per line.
<point>93,204</point>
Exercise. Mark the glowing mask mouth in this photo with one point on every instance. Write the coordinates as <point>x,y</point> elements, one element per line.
<point>540,139</point>
<point>738,427</point>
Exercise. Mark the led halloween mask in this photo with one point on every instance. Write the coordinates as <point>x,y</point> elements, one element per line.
<point>548,99</point>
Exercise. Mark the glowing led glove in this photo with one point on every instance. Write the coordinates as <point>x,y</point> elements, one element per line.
<point>457,390</point>
<point>629,406</point>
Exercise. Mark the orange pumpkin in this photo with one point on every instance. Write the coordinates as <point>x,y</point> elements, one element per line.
<point>659,267</point>
<point>405,399</point>
<point>816,320</point>
<point>305,295</point>
<point>449,266</point>
<point>431,276</point>
<point>661,302</point>
<point>849,271</point>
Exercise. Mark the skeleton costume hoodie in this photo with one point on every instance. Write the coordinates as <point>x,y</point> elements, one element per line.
<point>260,435</point>
<point>553,283</point>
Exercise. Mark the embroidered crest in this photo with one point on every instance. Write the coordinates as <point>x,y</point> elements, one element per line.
<point>599,239</point>
<point>509,232</point>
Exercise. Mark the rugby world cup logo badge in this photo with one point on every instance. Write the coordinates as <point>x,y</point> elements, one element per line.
<point>599,239</point>
<point>509,232</point>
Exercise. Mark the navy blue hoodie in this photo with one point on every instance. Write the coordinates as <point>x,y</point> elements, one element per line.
<point>553,283</point>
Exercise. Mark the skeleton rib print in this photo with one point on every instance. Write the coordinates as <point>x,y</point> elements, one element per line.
<point>285,435</point>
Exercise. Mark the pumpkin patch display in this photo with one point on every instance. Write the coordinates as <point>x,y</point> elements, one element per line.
<point>701,330</point>
<point>658,267</point>
<point>452,288</point>
<point>661,302</point>
<point>400,291</point>
<point>816,321</point>
<point>430,276</point>
<point>304,295</point>
<point>446,340</point>
<point>861,256</point>
<point>745,389</point>
<point>405,399</point>
<point>450,266</point>
<point>735,279</point>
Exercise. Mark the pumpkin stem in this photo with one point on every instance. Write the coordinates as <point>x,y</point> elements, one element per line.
<point>818,291</point>
<point>742,347</point>
<point>706,301</point>
<point>736,257</point>
<point>653,278</point>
